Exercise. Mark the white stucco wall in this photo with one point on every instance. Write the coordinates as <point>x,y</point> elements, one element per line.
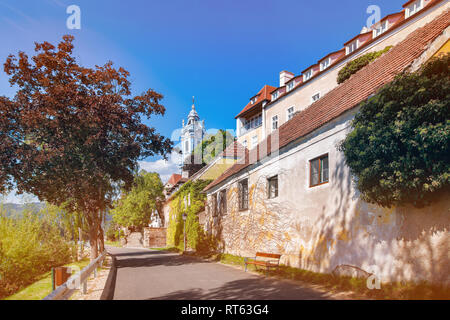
<point>319,228</point>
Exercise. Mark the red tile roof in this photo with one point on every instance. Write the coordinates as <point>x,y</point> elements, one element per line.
<point>359,36</point>
<point>263,94</point>
<point>351,93</point>
<point>174,179</point>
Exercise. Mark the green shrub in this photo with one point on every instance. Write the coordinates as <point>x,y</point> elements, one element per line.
<point>355,65</point>
<point>399,147</point>
<point>30,245</point>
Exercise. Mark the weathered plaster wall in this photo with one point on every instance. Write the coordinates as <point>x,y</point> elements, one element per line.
<point>322,227</point>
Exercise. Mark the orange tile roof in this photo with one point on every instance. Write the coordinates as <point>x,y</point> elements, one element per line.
<point>351,93</point>
<point>263,94</point>
<point>174,179</point>
<point>358,36</point>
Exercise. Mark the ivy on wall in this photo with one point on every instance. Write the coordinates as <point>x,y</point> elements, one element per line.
<point>195,236</point>
<point>355,65</point>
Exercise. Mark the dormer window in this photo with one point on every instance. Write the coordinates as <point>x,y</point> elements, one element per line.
<point>380,29</point>
<point>253,101</point>
<point>413,8</point>
<point>352,46</point>
<point>308,74</point>
<point>325,64</point>
<point>275,95</point>
<point>290,86</point>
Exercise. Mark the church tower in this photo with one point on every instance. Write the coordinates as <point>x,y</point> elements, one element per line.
<point>192,133</point>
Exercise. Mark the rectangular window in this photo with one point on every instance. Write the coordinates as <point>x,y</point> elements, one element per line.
<point>352,46</point>
<point>307,75</point>
<point>274,95</point>
<point>290,113</point>
<point>214,209</point>
<point>222,202</point>
<point>290,86</point>
<point>413,8</point>
<point>380,29</point>
<point>272,187</point>
<point>315,97</point>
<point>243,194</point>
<point>274,123</point>
<point>254,141</point>
<point>318,171</point>
<point>244,143</point>
<point>325,64</point>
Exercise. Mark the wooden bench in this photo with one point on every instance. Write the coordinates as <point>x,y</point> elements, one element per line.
<point>272,260</point>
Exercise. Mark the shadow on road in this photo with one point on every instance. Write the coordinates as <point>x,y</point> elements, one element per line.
<point>152,258</point>
<point>248,289</point>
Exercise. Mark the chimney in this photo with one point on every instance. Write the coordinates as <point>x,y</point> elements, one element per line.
<point>285,76</point>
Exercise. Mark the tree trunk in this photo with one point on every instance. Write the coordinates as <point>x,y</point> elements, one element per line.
<point>93,236</point>
<point>101,239</point>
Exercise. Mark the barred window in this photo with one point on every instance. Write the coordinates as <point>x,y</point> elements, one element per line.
<point>222,201</point>
<point>243,194</point>
<point>272,187</point>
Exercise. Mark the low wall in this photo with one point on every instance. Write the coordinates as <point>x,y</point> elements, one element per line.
<point>155,237</point>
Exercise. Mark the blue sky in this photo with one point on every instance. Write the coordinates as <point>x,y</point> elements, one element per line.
<point>221,52</point>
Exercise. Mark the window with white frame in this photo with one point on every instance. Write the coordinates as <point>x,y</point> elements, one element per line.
<point>325,64</point>
<point>274,123</point>
<point>275,95</point>
<point>413,8</point>
<point>380,29</point>
<point>244,143</point>
<point>254,141</point>
<point>290,86</point>
<point>254,100</point>
<point>253,122</point>
<point>315,97</point>
<point>352,46</point>
<point>290,113</point>
<point>307,75</point>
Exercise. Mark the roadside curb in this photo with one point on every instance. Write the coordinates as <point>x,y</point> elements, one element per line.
<point>110,285</point>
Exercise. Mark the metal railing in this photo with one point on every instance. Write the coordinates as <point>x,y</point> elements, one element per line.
<point>77,281</point>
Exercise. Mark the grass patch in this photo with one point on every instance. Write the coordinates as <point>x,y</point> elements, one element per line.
<point>389,291</point>
<point>43,287</point>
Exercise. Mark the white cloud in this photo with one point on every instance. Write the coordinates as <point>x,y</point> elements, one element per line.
<point>12,197</point>
<point>163,167</point>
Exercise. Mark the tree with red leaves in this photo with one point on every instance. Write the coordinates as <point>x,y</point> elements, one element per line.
<point>73,135</point>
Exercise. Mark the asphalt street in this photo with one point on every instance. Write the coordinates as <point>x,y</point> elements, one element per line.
<point>144,274</point>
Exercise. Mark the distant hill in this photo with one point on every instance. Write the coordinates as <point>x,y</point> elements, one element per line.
<point>13,209</point>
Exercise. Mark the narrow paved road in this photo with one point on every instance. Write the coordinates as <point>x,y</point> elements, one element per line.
<point>144,274</point>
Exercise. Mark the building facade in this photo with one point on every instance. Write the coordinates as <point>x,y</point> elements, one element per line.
<point>293,193</point>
